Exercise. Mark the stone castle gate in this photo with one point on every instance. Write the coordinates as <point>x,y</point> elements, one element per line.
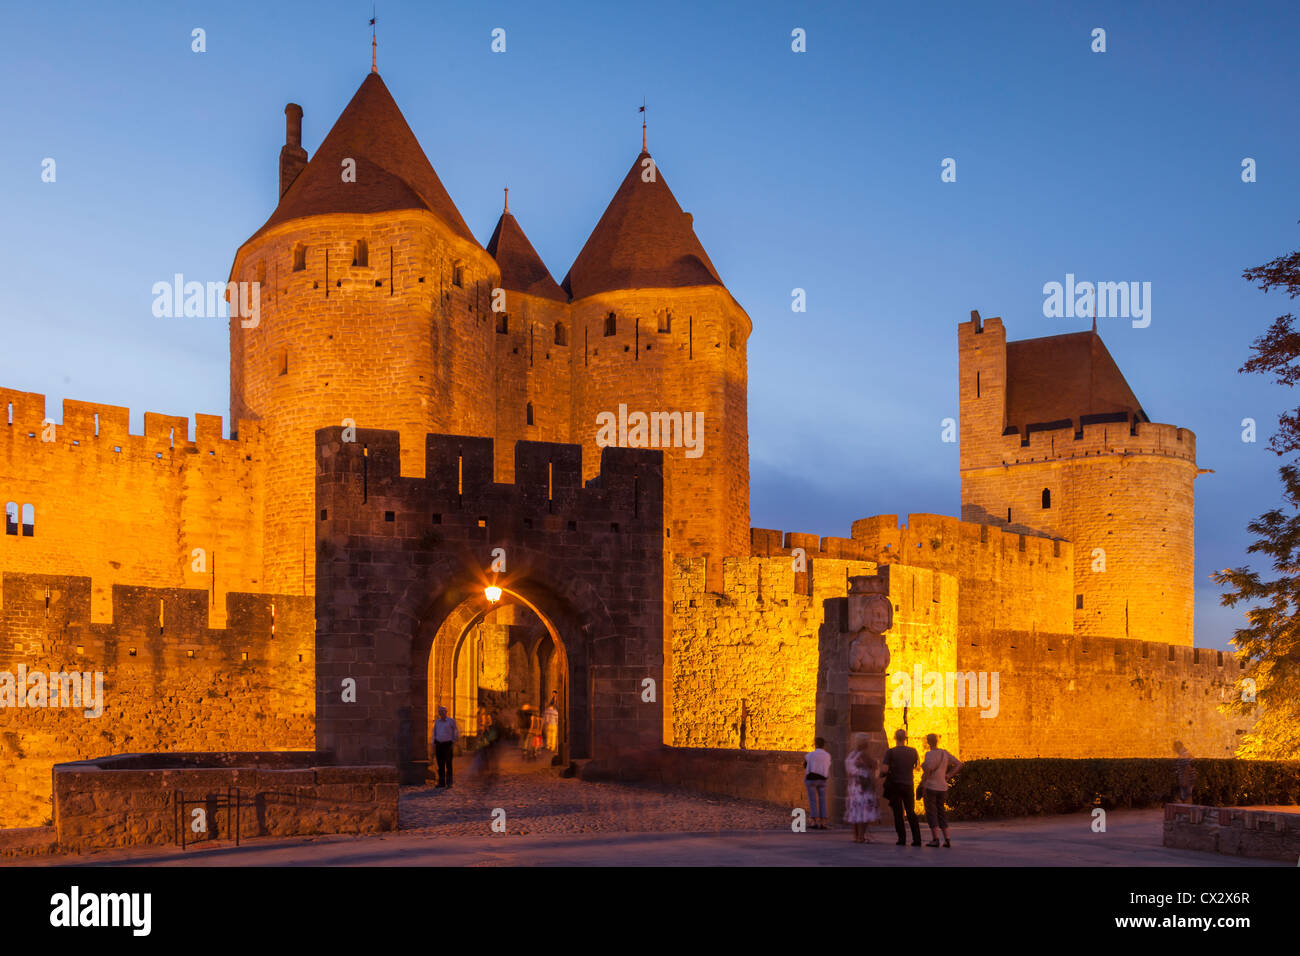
<point>403,567</point>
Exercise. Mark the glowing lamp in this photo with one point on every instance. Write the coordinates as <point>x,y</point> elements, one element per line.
<point>493,593</point>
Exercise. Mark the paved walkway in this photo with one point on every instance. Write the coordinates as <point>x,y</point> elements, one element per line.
<point>1132,839</point>
<point>551,820</point>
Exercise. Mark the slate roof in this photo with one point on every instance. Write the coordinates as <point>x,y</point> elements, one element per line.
<point>643,241</point>
<point>392,171</point>
<point>522,269</point>
<point>1070,376</point>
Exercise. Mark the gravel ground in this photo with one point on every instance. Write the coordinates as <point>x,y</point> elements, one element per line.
<point>536,799</point>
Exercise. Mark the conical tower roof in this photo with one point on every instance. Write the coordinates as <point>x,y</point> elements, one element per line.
<point>643,241</point>
<point>392,170</point>
<point>522,269</point>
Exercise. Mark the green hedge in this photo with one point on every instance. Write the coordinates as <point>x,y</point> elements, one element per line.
<point>1028,787</point>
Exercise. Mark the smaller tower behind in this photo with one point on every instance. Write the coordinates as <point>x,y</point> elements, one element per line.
<point>1055,443</point>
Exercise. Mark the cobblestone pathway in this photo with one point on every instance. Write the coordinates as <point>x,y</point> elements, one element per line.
<point>537,800</point>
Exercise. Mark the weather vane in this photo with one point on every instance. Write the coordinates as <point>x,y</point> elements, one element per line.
<point>374,42</point>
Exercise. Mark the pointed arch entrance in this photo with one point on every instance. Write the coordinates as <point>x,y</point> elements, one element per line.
<point>499,655</point>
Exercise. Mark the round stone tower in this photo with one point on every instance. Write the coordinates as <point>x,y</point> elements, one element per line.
<point>375,310</point>
<point>1055,443</point>
<point>659,350</point>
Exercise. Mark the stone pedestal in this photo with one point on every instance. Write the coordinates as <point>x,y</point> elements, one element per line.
<point>851,675</point>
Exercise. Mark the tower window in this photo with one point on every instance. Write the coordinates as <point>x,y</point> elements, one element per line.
<point>457,275</point>
<point>1078,602</point>
<point>731,339</point>
<point>282,361</point>
<point>611,324</point>
<point>665,321</point>
<point>360,253</point>
<point>1047,498</point>
<point>29,520</point>
<point>977,384</point>
<point>299,257</point>
<point>529,412</point>
<point>11,518</point>
<point>561,334</point>
<point>503,322</point>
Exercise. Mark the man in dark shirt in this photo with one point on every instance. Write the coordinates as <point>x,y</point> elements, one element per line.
<point>899,766</point>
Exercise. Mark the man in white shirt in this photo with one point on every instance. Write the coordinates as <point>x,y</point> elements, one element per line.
<point>818,767</point>
<point>551,723</point>
<point>445,733</point>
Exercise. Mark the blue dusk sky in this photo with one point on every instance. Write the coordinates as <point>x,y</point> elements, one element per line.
<point>817,170</point>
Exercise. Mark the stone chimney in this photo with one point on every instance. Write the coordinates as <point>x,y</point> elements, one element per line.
<point>292,156</point>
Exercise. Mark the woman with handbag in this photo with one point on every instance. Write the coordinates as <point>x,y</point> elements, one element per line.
<point>937,769</point>
<point>861,808</point>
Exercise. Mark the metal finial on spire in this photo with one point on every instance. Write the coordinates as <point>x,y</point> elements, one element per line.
<point>374,42</point>
<point>644,148</point>
<point>507,199</point>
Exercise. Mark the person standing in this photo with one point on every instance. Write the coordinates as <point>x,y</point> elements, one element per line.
<point>445,733</point>
<point>861,809</point>
<point>817,767</point>
<point>936,770</point>
<point>899,768</point>
<point>551,721</point>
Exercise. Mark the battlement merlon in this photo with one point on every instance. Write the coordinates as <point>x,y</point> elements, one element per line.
<point>1118,438</point>
<point>153,610</point>
<point>459,473</point>
<point>980,326</point>
<point>879,535</point>
<point>1175,659</point>
<point>23,414</point>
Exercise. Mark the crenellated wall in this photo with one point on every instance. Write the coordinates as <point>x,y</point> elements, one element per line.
<point>132,509</point>
<point>171,680</point>
<point>745,661</point>
<point>1066,696</point>
<point>1058,694</point>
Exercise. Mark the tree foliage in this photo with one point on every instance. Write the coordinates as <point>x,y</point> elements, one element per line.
<point>1271,640</point>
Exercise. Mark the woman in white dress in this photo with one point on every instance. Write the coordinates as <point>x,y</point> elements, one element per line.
<point>861,806</point>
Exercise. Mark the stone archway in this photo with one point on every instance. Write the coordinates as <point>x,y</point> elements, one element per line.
<point>448,653</point>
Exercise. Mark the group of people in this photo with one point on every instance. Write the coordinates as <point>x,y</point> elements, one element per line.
<point>863,773</point>
<point>535,729</point>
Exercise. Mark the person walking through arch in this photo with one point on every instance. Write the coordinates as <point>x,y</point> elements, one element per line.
<point>937,769</point>
<point>551,723</point>
<point>899,768</point>
<point>445,733</point>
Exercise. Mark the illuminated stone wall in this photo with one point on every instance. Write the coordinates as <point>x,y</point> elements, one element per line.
<point>748,657</point>
<point>179,686</point>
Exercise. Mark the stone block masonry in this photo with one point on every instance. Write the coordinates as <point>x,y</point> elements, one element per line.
<point>746,660</point>
<point>141,799</point>
<point>403,565</point>
<point>1234,831</point>
<point>171,681</point>
<point>151,510</point>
